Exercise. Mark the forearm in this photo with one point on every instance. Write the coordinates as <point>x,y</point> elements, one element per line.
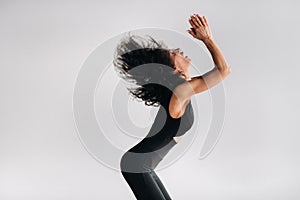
<point>217,55</point>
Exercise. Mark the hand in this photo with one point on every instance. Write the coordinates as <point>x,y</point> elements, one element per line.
<point>200,28</point>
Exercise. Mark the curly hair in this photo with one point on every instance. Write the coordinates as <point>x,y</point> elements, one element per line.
<point>147,64</point>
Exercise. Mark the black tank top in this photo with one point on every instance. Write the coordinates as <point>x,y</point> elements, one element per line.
<point>164,128</point>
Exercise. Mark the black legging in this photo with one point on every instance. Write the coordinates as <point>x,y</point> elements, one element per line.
<point>137,168</point>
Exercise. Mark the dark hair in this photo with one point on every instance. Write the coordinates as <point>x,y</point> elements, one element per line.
<point>147,64</point>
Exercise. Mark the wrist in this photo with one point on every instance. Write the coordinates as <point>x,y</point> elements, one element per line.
<point>208,40</point>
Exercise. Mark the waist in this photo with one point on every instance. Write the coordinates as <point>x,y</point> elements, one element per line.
<point>159,148</point>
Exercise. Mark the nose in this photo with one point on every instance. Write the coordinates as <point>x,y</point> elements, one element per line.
<point>178,50</point>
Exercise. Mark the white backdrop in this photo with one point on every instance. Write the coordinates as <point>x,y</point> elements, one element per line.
<point>43,45</point>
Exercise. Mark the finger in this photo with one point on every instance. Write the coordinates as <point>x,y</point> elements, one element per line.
<point>191,32</point>
<point>197,20</point>
<point>205,21</point>
<point>201,19</point>
<point>193,23</point>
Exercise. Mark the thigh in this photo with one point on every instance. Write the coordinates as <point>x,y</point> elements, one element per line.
<point>160,185</point>
<point>145,186</point>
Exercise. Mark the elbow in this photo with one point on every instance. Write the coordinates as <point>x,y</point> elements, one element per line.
<point>228,70</point>
<point>225,72</point>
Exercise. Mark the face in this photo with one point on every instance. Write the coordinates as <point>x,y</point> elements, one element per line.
<point>182,63</point>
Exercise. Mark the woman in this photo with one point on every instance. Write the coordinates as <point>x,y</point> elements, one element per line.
<point>163,78</point>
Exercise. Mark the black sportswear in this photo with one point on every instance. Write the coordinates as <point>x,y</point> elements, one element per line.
<point>138,163</point>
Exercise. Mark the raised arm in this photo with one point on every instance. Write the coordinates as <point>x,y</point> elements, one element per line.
<point>200,30</point>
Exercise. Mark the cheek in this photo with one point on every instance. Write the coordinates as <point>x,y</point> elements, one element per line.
<point>186,62</point>
<point>182,61</point>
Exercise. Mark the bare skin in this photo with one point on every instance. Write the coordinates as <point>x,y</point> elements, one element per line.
<point>182,94</point>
